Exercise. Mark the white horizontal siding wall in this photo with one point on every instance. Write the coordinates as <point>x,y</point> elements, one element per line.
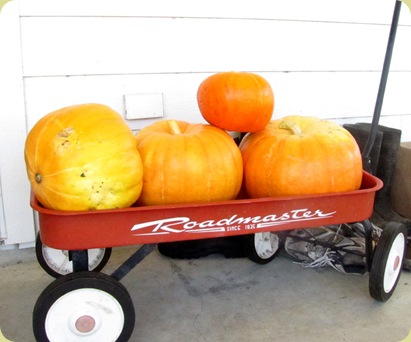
<point>322,57</point>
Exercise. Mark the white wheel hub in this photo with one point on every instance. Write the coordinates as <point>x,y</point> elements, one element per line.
<point>394,262</point>
<point>59,261</point>
<point>85,314</point>
<point>266,244</point>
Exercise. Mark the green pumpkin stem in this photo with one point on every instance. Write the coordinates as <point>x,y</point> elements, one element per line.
<point>174,127</point>
<point>293,127</point>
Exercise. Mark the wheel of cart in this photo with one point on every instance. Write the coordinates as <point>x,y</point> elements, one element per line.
<point>57,262</point>
<point>84,306</point>
<point>263,247</point>
<point>387,261</point>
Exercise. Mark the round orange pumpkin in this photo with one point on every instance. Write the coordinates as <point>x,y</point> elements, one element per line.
<point>83,157</point>
<point>188,163</point>
<point>236,101</point>
<point>300,155</point>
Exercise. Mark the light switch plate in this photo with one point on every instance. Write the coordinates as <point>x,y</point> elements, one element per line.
<point>144,106</point>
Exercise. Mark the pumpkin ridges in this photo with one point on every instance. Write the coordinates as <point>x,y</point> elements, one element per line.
<point>239,166</point>
<point>152,165</point>
<point>33,164</point>
<point>204,172</point>
<point>42,125</point>
<point>223,160</point>
<point>43,198</point>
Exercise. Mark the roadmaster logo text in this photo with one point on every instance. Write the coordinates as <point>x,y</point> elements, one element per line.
<point>176,225</point>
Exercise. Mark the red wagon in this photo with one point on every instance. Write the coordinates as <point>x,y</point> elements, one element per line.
<point>87,237</point>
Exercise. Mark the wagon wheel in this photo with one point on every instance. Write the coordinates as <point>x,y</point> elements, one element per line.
<point>56,262</point>
<point>84,306</point>
<point>387,261</point>
<point>263,247</point>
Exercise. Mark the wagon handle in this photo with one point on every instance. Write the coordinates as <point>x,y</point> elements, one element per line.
<point>381,90</point>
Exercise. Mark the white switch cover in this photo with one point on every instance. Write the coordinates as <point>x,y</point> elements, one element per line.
<point>144,106</point>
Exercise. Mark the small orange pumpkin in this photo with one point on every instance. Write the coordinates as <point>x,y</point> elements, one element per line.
<point>236,101</point>
<point>83,157</point>
<point>188,163</point>
<point>300,155</point>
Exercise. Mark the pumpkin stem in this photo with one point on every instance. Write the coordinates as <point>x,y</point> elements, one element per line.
<point>38,178</point>
<point>174,127</point>
<point>293,127</point>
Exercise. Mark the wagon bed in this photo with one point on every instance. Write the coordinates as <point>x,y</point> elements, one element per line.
<point>74,230</point>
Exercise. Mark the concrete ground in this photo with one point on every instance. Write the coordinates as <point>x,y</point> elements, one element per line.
<point>218,299</point>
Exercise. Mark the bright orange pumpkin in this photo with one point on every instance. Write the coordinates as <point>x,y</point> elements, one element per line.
<point>236,101</point>
<point>299,155</point>
<point>188,163</point>
<point>83,157</point>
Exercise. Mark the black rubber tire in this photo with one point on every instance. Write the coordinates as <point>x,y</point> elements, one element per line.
<point>252,252</point>
<point>54,271</point>
<point>387,261</point>
<point>67,285</point>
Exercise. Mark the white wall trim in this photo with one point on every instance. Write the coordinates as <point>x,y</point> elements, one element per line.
<point>353,11</point>
<point>18,216</point>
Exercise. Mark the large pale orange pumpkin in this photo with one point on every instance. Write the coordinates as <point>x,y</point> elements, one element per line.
<point>83,157</point>
<point>299,155</point>
<point>188,163</point>
<point>236,101</point>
